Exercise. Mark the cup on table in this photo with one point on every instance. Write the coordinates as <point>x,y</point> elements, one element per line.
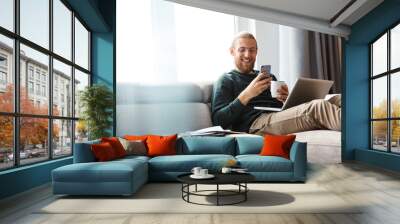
<point>203,172</point>
<point>275,85</point>
<point>226,170</point>
<point>196,170</point>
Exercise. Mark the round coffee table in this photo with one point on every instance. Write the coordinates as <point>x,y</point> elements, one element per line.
<point>238,179</point>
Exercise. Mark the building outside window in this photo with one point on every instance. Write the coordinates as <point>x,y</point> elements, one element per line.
<point>385,97</point>
<point>34,81</point>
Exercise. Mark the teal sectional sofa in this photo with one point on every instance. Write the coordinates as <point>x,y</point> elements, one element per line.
<point>125,176</point>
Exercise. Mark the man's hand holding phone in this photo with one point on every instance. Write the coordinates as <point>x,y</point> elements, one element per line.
<point>265,73</point>
<point>257,86</point>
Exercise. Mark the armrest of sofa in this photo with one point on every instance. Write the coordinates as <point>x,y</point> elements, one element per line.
<point>298,155</point>
<point>83,152</point>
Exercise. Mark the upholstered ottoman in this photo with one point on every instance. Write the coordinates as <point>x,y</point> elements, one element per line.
<point>118,177</point>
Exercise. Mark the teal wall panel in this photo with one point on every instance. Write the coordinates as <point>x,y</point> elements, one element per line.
<point>102,58</point>
<point>24,178</point>
<point>356,101</point>
<point>356,97</point>
<point>377,158</point>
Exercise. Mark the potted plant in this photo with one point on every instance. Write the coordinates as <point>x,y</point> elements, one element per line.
<point>96,102</point>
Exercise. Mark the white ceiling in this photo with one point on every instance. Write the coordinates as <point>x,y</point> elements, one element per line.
<point>319,9</point>
<point>315,15</point>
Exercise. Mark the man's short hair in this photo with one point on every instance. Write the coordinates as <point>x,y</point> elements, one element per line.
<point>243,34</point>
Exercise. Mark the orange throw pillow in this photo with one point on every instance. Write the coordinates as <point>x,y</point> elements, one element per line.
<point>116,145</point>
<point>161,145</point>
<point>277,145</point>
<point>103,151</point>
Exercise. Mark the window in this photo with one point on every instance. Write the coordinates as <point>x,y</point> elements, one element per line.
<point>81,45</point>
<point>169,33</point>
<point>385,97</point>
<point>43,77</point>
<point>30,72</point>
<point>3,61</point>
<point>30,87</point>
<point>62,29</point>
<point>3,72</point>
<point>38,89</point>
<point>3,78</point>
<point>37,74</point>
<point>44,91</point>
<point>7,14</point>
<point>45,131</point>
<point>35,21</point>
<point>62,74</point>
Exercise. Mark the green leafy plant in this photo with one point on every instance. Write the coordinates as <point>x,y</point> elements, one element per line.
<point>97,102</point>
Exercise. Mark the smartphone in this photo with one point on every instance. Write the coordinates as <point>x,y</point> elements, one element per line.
<point>266,69</point>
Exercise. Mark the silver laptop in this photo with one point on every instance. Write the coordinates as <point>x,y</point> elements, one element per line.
<point>304,90</point>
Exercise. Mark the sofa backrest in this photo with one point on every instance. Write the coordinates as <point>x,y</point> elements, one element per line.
<point>196,145</point>
<point>249,145</point>
<point>162,109</point>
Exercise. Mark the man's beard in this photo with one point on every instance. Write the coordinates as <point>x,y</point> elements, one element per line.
<point>245,69</point>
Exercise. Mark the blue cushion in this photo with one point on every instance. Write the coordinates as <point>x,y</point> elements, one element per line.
<point>249,145</point>
<point>133,158</point>
<point>197,145</point>
<point>185,163</point>
<point>257,163</point>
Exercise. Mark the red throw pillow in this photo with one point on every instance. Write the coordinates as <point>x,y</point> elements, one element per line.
<point>277,145</point>
<point>161,145</point>
<point>116,145</point>
<point>103,151</point>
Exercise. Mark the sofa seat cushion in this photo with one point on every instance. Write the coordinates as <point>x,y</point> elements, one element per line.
<point>111,171</point>
<point>133,158</point>
<point>257,163</point>
<point>185,163</point>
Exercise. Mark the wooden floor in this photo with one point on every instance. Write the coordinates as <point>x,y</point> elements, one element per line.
<point>378,189</point>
